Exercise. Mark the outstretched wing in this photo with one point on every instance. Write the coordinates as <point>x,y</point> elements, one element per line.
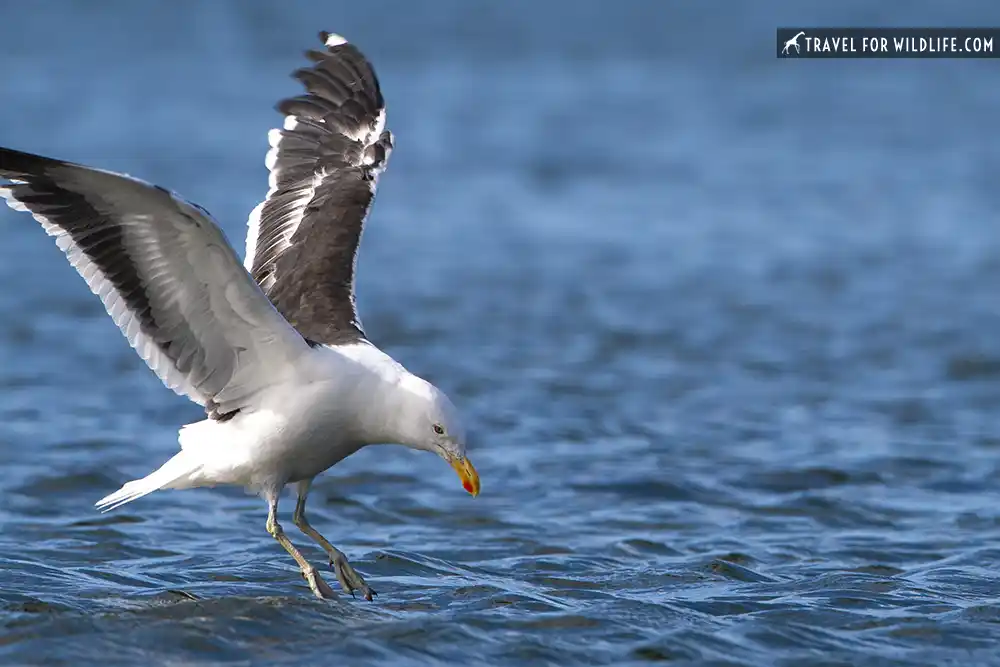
<point>166,275</point>
<point>302,240</point>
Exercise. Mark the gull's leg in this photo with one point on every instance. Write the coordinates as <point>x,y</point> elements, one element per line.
<point>347,575</point>
<point>316,583</point>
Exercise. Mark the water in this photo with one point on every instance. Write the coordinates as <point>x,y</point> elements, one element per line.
<point>724,328</point>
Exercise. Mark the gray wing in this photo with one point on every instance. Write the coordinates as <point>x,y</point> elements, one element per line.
<point>166,275</point>
<point>302,240</point>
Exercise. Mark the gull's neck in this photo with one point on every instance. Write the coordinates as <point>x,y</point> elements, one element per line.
<point>386,399</point>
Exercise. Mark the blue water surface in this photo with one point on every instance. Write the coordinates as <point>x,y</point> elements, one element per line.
<point>724,328</point>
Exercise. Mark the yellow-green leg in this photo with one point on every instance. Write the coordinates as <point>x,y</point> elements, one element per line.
<point>319,587</point>
<point>346,575</point>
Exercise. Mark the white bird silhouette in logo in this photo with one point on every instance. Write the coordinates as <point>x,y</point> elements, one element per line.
<point>794,41</point>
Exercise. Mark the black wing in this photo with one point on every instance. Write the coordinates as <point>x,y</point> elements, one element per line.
<point>302,240</point>
<point>165,274</point>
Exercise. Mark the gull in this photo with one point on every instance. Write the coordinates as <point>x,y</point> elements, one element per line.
<point>272,349</point>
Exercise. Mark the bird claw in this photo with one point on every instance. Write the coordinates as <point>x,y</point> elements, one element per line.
<point>349,578</point>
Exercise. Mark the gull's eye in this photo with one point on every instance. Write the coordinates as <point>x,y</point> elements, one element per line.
<point>438,429</point>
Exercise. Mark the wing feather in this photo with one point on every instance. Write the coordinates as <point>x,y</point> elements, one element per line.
<point>166,275</point>
<point>324,164</point>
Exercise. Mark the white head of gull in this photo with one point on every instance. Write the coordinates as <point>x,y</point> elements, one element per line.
<point>275,351</point>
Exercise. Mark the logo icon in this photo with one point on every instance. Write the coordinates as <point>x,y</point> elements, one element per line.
<point>794,41</point>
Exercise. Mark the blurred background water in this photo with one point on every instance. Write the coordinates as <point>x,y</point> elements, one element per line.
<point>724,328</point>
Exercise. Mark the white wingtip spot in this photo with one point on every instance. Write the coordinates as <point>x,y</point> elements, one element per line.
<point>333,39</point>
<point>291,122</point>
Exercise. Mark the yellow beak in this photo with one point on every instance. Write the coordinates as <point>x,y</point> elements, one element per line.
<point>468,474</point>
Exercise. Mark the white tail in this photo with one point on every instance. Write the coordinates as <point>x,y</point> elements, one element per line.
<point>180,466</point>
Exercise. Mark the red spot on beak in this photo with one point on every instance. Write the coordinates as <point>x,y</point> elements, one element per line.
<point>467,473</point>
